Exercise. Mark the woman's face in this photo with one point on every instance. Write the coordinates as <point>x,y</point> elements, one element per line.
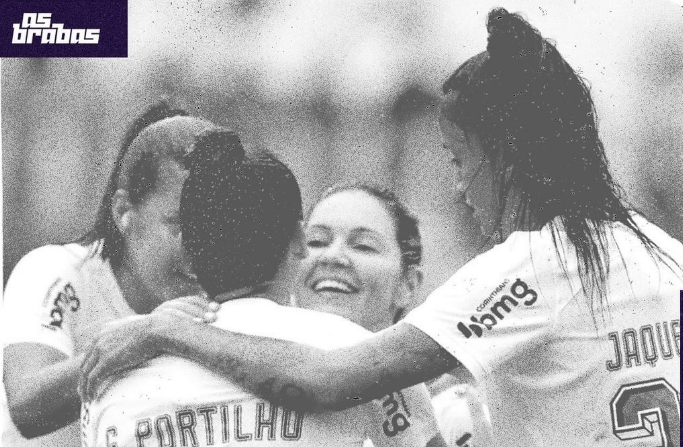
<point>474,174</point>
<point>155,250</point>
<point>353,268</point>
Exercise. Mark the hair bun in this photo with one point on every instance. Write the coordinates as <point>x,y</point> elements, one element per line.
<point>511,38</point>
<point>215,149</point>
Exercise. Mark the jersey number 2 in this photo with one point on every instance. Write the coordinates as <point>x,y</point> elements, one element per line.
<point>650,409</point>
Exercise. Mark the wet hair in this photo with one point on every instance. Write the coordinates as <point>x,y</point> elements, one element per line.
<point>159,133</point>
<point>407,227</point>
<point>536,120</point>
<point>238,213</point>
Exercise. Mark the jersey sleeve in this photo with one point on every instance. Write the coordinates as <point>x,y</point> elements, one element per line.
<point>402,418</point>
<point>490,310</point>
<point>38,293</point>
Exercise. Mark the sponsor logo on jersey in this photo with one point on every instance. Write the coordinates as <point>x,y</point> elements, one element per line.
<point>397,414</point>
<point>520,293</point>
<point>64,301</point>
<point>492,295</point>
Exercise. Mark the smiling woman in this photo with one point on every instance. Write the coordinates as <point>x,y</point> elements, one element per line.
<point>364,254</point>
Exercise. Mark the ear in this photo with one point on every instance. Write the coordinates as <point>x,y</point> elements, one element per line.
<point>411,283</point>
<point>121,211</point>
<point>297,246</point>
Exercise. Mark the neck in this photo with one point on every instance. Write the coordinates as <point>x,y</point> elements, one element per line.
<point>512,220</point>
<point>135,294</point>
<point>276,290</point>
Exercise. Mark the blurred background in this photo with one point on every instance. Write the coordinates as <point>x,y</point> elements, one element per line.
<point>341,90</point>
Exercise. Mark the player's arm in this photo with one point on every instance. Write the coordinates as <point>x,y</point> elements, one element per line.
<point>41,388</point>
<point>39,374</point>
<point>294,375</point>
<point>302,377</point>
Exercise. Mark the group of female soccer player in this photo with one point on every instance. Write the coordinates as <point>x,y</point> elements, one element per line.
<point>569,321</point>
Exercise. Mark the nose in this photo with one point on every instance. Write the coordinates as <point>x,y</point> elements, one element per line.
<point>461,192</point>
<point>460,188</point>
<point>335,254</point>
<point>185,264</point>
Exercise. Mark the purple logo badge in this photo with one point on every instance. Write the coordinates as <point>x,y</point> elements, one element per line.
<point>63,28</point>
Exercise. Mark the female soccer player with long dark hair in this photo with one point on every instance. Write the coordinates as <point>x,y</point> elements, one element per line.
<point>59,296</point>
<point>571,319</point>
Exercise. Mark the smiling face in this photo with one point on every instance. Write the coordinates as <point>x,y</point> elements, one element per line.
<point>474,173</point>
<point>353,268</point>
<point>153,241</point>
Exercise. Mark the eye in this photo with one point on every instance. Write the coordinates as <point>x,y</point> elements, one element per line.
<point>456,162</point>
<point>366,244</point>
<point>365,248</point>
<point>312,242</point>
<point>317,237</point>
<point>172,219</point>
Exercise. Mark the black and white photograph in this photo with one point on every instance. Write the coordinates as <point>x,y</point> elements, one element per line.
<point>379,223</point>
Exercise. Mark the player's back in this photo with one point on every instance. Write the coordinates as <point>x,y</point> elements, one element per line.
<point>609,379</point>
<point>172,401</point>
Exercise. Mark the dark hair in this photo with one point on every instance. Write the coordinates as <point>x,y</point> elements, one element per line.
<point>407,230</point>
<point>536,121</point>
<point>136,169</point>
<point>238,213</point>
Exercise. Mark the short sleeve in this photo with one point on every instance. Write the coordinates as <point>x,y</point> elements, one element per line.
<point>403,418</point>
<point>38,293</point>
<point>489,311</point>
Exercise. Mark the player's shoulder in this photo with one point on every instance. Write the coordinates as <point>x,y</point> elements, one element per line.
<point>502,262</point>
<point>660,237</point>
<point>52,258</point>
<point>326,322</point>
<point>72,253</point>
<point>259,316</point>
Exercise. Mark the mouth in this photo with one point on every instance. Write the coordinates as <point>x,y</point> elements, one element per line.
<point>334,286</point>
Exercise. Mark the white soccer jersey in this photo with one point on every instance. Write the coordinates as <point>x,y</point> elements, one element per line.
<point>554,377</point>
<point>60,297</point>
<point>173,401</point>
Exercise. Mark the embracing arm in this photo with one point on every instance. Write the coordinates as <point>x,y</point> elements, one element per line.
<point>303,377</point>
<point>41,388</point>
<point>294,375</point>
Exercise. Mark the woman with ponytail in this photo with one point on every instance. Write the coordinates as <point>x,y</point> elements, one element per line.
<point>59,296</point>
<point>570,320</point>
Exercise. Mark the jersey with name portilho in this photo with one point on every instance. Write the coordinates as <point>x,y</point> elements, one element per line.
<point>173,401</point>
<point>557,373</point>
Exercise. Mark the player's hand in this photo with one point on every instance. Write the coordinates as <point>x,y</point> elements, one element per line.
<point>197,307</point>
<point>120,346</point>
